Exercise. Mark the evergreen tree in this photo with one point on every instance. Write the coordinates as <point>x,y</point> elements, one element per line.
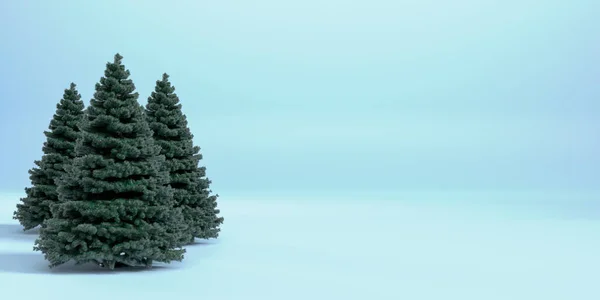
<point>115,208</point>
<point>58,150</point>
<point>188,180</point>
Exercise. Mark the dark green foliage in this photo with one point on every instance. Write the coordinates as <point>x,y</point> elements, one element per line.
<point>115,205</point>
<point>58,150</point>
<point>191,187</point>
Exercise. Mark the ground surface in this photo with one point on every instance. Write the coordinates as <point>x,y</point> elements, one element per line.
<point>480,246</point>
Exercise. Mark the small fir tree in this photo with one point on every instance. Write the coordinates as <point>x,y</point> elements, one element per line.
<point>58,150</point>
<point>115,208</point>
<point>188,180</point>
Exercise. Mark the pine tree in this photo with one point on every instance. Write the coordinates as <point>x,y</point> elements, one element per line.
<point>58,150</point>
<point>188,180</point>
<point>115,207</point>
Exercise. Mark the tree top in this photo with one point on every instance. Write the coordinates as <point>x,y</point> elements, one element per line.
<point>118,58</point>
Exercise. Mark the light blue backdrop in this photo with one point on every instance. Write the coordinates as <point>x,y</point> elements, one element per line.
<point>330,95</point>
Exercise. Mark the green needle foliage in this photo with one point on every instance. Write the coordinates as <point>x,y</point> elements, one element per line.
<point>58,150</point>
<point>116,208</point>
<point>188,180</point>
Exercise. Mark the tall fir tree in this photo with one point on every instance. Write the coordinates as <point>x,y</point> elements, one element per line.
<point>188,180</point>
<point>58,150</point>
<point>115,208</point>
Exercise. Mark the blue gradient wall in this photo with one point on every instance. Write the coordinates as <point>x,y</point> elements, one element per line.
<point>339,95</point>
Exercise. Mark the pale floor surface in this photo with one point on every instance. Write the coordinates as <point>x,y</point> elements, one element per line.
<point>298,248</point>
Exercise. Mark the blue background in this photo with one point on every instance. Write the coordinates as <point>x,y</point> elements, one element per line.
<point>314,96</point>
